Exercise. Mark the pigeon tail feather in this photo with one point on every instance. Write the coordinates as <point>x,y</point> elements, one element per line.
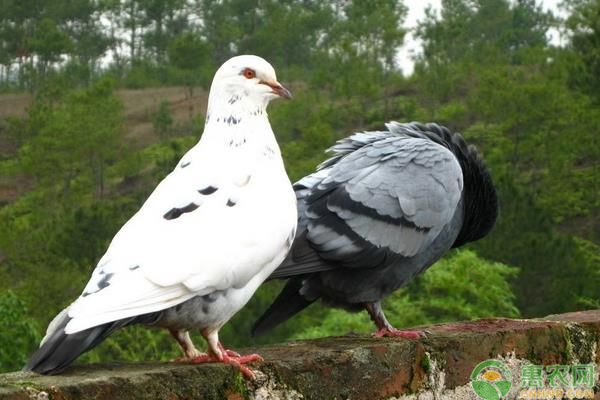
<point>58,350</point>
<point>286,305</point>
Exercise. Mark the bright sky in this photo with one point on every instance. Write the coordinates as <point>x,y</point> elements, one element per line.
<point>416,12</point>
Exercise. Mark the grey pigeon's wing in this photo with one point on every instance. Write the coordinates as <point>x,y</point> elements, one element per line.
<point>302,258</point>
<point>381,191</point>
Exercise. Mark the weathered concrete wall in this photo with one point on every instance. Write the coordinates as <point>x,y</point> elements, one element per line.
<point>354,367</point>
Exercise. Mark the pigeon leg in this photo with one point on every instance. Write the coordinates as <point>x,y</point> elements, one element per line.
<point>384,328</point>
<point>217,353</point>
<point>190,351</point>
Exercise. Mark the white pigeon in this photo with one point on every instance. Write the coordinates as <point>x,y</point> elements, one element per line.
<point>211,232</point>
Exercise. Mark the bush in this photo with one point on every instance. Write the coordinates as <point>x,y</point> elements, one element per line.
<point>18,332</point>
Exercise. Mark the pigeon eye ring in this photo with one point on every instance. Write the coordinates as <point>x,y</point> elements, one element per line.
<point>249,73</point>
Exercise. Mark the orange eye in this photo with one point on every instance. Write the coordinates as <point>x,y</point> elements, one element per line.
<point>249,73</point>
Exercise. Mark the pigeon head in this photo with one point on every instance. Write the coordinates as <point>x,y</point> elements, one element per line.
<point>248,80</point>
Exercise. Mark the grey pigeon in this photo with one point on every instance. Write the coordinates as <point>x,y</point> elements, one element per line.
<point>381,211</point>
<point>211,232</point>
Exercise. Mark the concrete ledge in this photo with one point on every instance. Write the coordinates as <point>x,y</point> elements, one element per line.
<point>351,367</point>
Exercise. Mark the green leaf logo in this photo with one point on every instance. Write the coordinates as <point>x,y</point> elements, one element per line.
<point>491,380</point>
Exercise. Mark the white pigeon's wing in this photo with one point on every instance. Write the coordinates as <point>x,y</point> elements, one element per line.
<point>202,229</point>
<point>380,191</point>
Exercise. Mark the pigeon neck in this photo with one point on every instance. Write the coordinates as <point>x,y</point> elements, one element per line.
<point>237,118</point>
<point>226,106</point>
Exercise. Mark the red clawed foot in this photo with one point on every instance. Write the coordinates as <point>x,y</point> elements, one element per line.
<point>392,332</point>
<point>231,358</point>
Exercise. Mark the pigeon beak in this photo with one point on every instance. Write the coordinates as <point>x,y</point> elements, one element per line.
<point>278,89</point>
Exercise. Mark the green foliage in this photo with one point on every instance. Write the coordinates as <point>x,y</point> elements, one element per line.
<point>38,36</point>
<point>304,127</point>
<point>49,42</point>
<point>18,332</point>
<point>136,343</point>
<point>589,256</point>
<point>462,286</point>
<point>143,74</point>
<point>73,139</point>
<point>584,26</point>
<point>369,33</point>
<point>481,31</point>
<point>284,32</point>
<point>163,120</point>
<point>191,55</point>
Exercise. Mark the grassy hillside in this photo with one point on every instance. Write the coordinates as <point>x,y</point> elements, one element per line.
<point>140,107</point>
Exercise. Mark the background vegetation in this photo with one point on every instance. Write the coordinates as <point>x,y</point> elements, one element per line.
<point>101,97</point>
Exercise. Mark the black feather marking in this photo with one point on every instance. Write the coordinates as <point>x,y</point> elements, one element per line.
<point>340,198</point>
<point>231,120</point>
<point>230,203</point>
<point>366,255</point>
<point>268,151</point>
<point>105,281</point>
<point>237,142</point>
<point>208,190</point>
<point>205,308</point>
<point>185,164</point>
<point>134,268</point>
<point>176,212</point>
<point>211,297</point>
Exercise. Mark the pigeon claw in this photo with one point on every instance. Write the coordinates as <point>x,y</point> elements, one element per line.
<point>231,353</point>
<point>405,334</point>
<point>232,358</point>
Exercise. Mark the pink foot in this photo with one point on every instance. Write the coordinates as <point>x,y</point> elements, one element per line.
<point>231,353</point>
<point>405,334</point>
<point>231,358</point>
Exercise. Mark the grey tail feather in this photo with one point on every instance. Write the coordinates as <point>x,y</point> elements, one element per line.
<point>286,305</point>
<point>59,350</point>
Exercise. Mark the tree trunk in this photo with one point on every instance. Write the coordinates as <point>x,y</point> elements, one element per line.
<point>159,41</point>
<point>133,32</point>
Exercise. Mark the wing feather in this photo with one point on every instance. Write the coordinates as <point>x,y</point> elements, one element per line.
<point>405,197</point>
